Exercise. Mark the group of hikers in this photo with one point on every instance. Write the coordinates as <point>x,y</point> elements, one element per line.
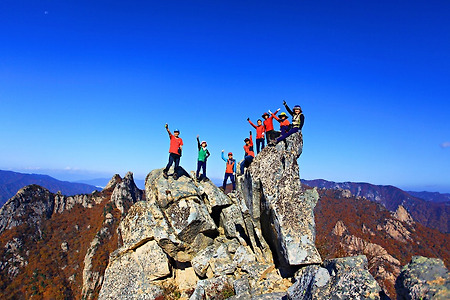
<point>263,129</point>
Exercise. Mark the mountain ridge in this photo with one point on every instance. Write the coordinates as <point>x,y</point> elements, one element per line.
<point>11,182</point>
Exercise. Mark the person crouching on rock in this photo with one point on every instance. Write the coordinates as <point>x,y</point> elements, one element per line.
<point>268,126</point>
<point>297,121</point>
<point>259,134</point>
<point>176,145</point>
<point>203,155</point>
<point>249,154</point>
<point>284,124</point>
<point>229,171</point>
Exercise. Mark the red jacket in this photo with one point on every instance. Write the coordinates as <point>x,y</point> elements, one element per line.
<point>259,130</point>
<point>249,148</point>
<point>283,123</point>
<point>175,144</point>
<point>268,123</point>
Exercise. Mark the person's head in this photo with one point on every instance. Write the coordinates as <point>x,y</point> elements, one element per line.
<point>297,109</point>
<point>265,116</point>
<point>230,155</point>
<point>176,132</point>
<point>282,116</point>
<point>204,144</point>
<point>247,141</point>
<point>259,122</point>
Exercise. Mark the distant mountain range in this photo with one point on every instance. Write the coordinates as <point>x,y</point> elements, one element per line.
<point>11,182</point>
<point>432,212</point>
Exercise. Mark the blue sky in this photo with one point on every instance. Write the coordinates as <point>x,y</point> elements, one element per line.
<point>87,86</point>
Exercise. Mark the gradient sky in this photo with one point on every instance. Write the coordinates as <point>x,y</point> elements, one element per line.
<point>86,86</point>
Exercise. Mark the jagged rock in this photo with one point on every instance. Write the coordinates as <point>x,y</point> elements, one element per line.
<point>272,183</point>
<point>131,275</point>
<point>126,192</point>
<point>189,217</point>
<point>214,288</point>
<point>116,179</point>
<point>29,205</point>
<point>340,278</point>
<point>402,214</point>
<point>339,229</point>
<point>166,191</point>
<point>423,278</point>
<point>215,198</point>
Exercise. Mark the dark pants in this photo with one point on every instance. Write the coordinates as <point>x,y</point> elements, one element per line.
<point>246,163</point>
<point>231,176</point>
<point>200,165</point>
<point>259,144</point>
<point>269,136</point>
<point>173,158</point>
<point>285,135</point>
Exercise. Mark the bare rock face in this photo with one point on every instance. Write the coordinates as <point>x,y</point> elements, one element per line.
<point>423,278</point>
<point>340,278</point>
<point>281,209</point>
<point>29,205</point>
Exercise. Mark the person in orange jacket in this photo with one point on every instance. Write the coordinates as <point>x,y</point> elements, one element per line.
<point>230,170</point>
<point>249,154</point>
<point>268,126</point>
<point>176,145</point>
<point>284,122</point>
<point>298,119</point>
<point>260,130</point>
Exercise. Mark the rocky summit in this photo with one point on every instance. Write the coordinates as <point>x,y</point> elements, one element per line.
<point>187,239</point>
<point>190,240</point>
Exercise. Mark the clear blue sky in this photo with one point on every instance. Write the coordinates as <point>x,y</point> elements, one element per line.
<point>86,86</point>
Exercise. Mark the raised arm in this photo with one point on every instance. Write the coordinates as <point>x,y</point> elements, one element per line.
<point>287,108</point>
<point>198,143</point>
<point>223,157</point>
<point>168,131</point>
<point>251,123</point>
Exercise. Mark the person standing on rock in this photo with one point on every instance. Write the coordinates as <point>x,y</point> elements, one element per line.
<point>268,126</point>
<point>297,121</point>
<point>229,171</point>
<point>260,129</point>
<point>249,154</point>
<point>176,145</point>
<point>203,155</point>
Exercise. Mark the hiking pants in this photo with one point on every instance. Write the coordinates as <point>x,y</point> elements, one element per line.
<point>259,144</point>
<point>200,165</point>
<point>285,135</point>
<point>231,176</point>
<point>173,158</point>
<point>246,163</point>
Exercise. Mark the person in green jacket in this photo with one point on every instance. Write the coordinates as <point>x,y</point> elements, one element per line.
<point>203,155</point>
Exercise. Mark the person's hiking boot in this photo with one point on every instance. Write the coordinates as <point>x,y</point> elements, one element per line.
<point>205,179</point>
<point>165,174</point>
<point>175,176</point>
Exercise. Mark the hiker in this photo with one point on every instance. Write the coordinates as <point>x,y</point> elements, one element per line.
<point>176,145</point>
<point>283,120</point>
<point>203,155</point>
<point>230,170</point>
<point>259,134</point>
<point>249,154</point>
<point>297,121</point>
<point>268,126</point>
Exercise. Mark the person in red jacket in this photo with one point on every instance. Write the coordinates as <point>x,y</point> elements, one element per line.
<point>260,130</point>
<point>268,126</point>
<point>284,122</point>
<point>176,145</point>
<point>249,154</point>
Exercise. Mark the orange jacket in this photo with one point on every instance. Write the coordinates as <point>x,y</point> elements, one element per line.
<point>259,130</point>
<point>249,148</point>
